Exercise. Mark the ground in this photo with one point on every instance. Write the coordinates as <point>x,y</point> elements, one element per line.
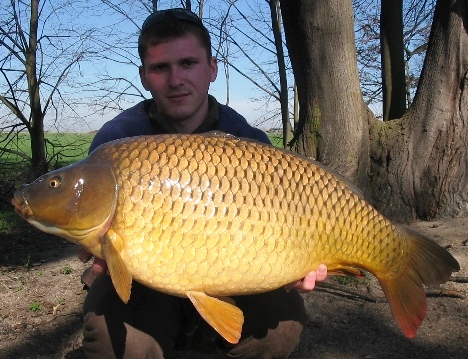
<point>41,298</point>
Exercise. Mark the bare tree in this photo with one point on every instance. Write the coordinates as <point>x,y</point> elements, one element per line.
<point>39,53</point>
<point>251,33</point>
<point>417,19</point>
<point>283,76</point>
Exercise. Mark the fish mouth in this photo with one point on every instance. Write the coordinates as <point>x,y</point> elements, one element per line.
<point>21,206</point>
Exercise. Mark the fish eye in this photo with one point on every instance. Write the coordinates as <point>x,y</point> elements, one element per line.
<point>54,182</point>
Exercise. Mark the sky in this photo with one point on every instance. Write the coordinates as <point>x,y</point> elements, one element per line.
<point>242,91</point>
<point>91,13</point>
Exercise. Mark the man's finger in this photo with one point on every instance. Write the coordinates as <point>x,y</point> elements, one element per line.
<point>321,273</point>
<point>99,267</point>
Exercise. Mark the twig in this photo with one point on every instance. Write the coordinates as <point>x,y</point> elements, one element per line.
<point>444,293</point>
<point>350,292</point>
<point>8,289</point>
<point>459,279</point>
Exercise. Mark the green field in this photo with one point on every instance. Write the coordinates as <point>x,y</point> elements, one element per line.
<point>276,139</point>
<point>61,148</point>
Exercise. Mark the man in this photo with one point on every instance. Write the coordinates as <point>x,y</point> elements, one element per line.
<point>177,68</point>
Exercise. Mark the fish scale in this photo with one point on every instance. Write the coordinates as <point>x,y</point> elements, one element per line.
<point>211,215</point>
<point>249,217</point>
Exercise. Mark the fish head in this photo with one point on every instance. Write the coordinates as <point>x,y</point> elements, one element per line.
<point>76,202</point>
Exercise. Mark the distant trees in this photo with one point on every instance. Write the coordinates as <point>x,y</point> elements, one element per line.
<point>251,33</point>
<point>416,19</point>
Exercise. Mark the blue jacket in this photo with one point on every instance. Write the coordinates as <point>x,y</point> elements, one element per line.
<point>136,122</point>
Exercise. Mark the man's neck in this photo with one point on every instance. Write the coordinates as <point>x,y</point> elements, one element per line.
<point>196,124</point>
<point>188,125</point>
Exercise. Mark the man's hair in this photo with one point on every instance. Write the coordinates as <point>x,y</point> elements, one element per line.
<point>169,26</point>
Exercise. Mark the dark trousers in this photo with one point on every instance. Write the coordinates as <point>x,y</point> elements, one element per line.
<point>154,325</point>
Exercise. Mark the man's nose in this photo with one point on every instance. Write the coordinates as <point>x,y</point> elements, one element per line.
<point>175,77</point>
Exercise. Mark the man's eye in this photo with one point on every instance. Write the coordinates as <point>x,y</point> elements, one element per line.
<point>158,68</point>
<point>189,63</point>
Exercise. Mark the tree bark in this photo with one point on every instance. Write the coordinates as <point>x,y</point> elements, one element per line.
<point>36,128</point>
<point>332,125</point>
<point>392,59</point>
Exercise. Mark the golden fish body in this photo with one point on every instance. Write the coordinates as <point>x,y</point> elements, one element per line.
<point>212,215</point>
<point>190,220</point>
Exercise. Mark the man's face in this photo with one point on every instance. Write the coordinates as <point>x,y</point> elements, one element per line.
<point>178,74</point>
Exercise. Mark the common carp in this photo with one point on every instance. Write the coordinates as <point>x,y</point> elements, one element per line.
<point>211,216</point>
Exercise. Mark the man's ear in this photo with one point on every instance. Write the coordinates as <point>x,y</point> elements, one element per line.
<point>214,68</point>
<point>141,71</point>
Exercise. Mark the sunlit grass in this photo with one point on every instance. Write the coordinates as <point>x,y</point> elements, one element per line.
<point>61,148</point>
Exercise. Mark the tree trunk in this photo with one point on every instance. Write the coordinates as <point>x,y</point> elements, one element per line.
<point>332,125</point>
<point>392,59</point>
<point>283,93</point>
<point>36,128</point>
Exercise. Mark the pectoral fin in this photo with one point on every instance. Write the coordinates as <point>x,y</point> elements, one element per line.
<point>224,317</point>
<point>112,245</point>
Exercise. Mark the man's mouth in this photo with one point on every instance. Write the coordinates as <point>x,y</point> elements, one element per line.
<point>177,96</point>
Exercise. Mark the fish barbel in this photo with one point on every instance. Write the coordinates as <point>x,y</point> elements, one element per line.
<point>209,216</point>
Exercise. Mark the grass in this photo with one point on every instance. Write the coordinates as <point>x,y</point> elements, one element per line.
<point>67,269</point>
<point>27,263</point>
<point>61,148</point>
<point>35,307</point>
<point>276,139</point>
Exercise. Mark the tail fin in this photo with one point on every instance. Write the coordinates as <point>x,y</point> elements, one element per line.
<point>428,264</point>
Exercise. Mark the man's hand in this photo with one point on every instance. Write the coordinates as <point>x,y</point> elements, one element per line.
<point>99,266</point>
<point>307,283</point>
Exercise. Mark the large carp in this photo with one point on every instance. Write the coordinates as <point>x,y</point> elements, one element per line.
<point>209,216</point>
